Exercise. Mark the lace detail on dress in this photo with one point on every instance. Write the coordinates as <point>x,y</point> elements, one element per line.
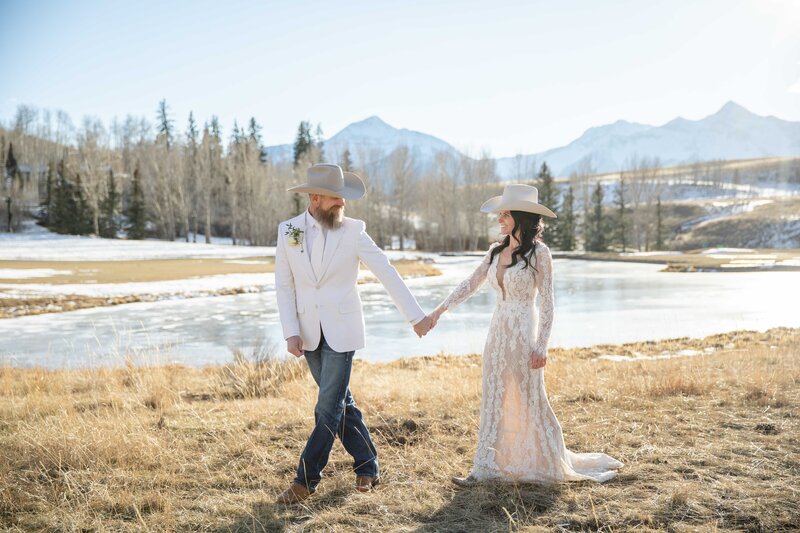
<point>544,285</point>
<point>470,286</point>
<point>520,438</point>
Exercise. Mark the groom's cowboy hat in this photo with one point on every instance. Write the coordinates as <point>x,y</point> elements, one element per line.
<point>517,198</point>
<point>331,180</point>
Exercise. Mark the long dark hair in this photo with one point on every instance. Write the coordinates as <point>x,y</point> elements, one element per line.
<point>531,228</point>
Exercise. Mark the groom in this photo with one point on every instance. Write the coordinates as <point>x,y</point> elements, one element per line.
<point>316,271</point>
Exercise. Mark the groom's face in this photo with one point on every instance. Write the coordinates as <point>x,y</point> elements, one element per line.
<point>328,210</point>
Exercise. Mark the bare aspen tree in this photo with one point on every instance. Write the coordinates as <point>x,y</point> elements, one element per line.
<point>191,178</point>
<point>404,178</point>
<point>93,165</point>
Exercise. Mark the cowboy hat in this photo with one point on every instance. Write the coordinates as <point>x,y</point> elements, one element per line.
<point>517,198</point>
<point>330,180</point>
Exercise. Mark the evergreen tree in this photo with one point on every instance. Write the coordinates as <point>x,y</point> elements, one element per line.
<point>192,133</point>
<point>55,219</point>
<point>254,134</point>
<point>12,172</point>
<point>622,213</point>
<point>347,162</point>
<point>216,131</point>
<point>109,225</point>
<point>303,142</point>
<point>565,229</point>
<point>47,204</point>
<point>69,213</point>
<point>595,226</point>
<point>659,226</point>
<point>136,210</point>
<point>166,130</point>
<point>546,186</point>
<point>12,169</point>
<point>81,221</point>
<point>319,143</point>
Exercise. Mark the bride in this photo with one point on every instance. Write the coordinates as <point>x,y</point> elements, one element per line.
<point>520,438</point>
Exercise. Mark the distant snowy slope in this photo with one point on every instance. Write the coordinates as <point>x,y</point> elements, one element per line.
<point>372,140</point>
<point>733,132</point>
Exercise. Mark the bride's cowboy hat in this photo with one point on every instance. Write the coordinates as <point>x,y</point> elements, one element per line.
<point>517,198</point>
<point>331,180</point>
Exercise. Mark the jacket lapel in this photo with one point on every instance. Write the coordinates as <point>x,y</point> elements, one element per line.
<point>303,257</point>
<point>331,244</point>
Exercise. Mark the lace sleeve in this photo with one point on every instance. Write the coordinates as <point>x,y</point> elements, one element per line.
<point>469,286</point>
<point>544,282</point>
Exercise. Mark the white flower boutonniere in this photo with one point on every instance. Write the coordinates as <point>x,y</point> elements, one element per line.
<point>295,236</point>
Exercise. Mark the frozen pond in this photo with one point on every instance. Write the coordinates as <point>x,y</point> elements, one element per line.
<point>596,302</point>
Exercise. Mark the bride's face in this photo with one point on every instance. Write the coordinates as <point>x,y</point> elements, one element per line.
<point>506,222</point>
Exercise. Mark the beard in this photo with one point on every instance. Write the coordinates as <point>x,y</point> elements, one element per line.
<point>332,218</point>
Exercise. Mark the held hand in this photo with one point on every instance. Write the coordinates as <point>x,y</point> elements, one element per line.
<point>294,345</point>
<point>422,327</point>
<point>537,360</point>
<point>435,316</point>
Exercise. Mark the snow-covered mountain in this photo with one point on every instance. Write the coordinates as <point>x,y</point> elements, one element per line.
<point>733,132</point>
<point>373,140</point>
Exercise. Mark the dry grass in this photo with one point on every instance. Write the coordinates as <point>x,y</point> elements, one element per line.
<point>138,271</point>
<point>710,444</point>
<point>776,221</point>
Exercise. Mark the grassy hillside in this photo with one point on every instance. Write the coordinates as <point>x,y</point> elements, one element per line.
<point>774,225</point>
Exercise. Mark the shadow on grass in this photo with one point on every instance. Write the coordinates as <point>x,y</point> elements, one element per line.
<point>492,507</point>
<point>267,516</point>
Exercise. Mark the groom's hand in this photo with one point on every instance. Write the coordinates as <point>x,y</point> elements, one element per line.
<point>422,327</point>
<point>294,345</point>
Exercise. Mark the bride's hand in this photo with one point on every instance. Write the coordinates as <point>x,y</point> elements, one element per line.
<point>537,360</point>
<point>434,316</point>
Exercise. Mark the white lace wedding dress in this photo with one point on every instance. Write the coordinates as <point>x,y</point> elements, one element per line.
<point>520,438</point>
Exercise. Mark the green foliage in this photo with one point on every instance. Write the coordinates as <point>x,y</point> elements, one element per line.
<point>546,186</point>
<point>347,162</point>
<point>137,217</point>
<point>109,208</point>
<point>166,129</point>
<point>69,213</point>
<point>621,218</point>
<point>303,142</point>
<point>595,227</point>
<point>565,224</point>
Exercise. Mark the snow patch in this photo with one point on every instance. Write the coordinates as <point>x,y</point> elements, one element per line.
<point>28,273</point>
<point>38,244</point>
<point>637,356</point>
<point>714,251</point>
<point>182,286</point>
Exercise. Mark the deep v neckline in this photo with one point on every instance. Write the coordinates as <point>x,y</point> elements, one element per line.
<point>501,279</point>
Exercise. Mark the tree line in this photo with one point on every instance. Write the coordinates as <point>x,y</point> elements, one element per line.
<point>136,179</point>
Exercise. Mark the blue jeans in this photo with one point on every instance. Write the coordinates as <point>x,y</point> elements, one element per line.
<point>335,415</point>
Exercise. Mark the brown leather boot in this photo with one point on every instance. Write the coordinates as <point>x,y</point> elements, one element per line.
<point>296,493</point>
<point>366,483</point>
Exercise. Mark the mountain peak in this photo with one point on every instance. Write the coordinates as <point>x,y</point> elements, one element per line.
<point>732,109</point>
<point>373,125</point>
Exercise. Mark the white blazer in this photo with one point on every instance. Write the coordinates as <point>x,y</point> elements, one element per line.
<point>306,303</point>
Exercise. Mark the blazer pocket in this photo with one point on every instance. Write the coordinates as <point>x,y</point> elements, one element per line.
<point>300,308</point>
<point>349,307</point>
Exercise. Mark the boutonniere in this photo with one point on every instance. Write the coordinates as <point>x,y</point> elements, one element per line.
<point>295,236</point>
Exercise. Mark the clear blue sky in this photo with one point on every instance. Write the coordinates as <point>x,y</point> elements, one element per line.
<point>506,76</point>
